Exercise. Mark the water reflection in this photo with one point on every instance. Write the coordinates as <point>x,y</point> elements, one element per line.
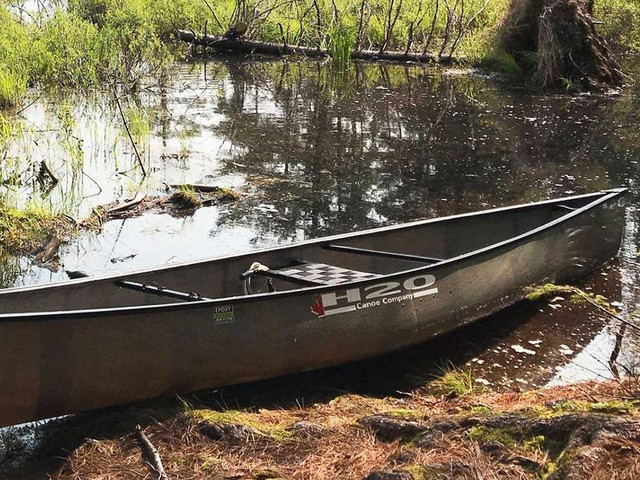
<point>319,152</point>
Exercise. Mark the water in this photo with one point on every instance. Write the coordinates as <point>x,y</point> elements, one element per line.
<point>316,152</point>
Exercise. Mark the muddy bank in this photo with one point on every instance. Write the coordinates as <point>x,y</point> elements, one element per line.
<point>588,430</point>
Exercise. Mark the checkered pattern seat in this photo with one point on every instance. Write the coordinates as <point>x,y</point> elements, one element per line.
<point>322,274</point>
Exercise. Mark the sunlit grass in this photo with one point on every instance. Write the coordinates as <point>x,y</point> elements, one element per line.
<point>92,42</point>
<point>13,87</point>
<point>454,381</point>
<point>138,122</point>
<point>24,229</point>
<point>341,44</point>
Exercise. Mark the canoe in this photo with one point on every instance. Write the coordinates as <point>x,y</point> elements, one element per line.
<point>94,342</point>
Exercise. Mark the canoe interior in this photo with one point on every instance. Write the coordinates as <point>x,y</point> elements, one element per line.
<point>219,277</point>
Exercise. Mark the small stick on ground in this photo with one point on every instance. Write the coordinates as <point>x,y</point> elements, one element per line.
<point>150,454</point>
<point>126,205</point>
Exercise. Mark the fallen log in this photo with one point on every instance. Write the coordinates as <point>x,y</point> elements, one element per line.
<point>222,44</point>
<point>198,187</point>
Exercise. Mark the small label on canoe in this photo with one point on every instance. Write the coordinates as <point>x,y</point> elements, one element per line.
<point>223,315</point>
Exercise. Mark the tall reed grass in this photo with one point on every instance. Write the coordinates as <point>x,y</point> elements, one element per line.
<point>13,86</point>
<point>342,41</point>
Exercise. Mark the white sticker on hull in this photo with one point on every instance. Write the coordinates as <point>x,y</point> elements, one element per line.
<point>384,293</point>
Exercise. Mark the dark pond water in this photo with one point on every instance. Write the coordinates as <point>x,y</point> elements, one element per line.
<point>318,152</point>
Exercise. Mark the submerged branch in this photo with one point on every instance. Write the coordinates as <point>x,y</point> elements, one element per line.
<point>133,143</point>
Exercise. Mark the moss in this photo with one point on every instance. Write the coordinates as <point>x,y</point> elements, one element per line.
<point>536,443</point>
<point>537,411</point>
<point>225,194</point>
<point>578,296</point>
<point>186,197</point>
<point>613,407</point>
<point>505,436</point>
<point>266,474</point>
<point>548,470</point>
<point>428,472</point>
<point>404,414</point>
<point>209,464</point>
<point>565,458</point>
<point>248,419</point>
<point>480,410</point>
<point>548,289</point>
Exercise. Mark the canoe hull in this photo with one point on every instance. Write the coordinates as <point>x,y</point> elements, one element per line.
<point>75,361</point>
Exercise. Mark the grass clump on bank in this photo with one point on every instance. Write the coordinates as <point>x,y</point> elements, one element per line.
<point>22,231</point>
<point>455,382</point>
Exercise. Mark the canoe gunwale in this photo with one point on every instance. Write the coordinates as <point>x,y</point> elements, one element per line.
<point>600,197</point>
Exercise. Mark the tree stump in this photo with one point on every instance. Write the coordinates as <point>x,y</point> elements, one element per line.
<point>555,42</point>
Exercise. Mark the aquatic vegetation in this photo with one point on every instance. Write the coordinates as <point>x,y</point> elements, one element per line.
<point>13,87</point>
<point>341,43</point>
<point>138,122</point>
<point>7,129</point>
<point>186,197</point>
<point>9,269</point>
<point>578,295</point>
<point>90,43</point>
<point>23,230</point>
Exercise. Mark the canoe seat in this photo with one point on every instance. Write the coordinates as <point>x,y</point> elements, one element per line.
<point>320,274</point>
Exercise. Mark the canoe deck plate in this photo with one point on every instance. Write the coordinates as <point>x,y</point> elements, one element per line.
<point>322,274</point>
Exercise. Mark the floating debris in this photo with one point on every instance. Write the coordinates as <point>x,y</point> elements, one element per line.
<point>521,349</point>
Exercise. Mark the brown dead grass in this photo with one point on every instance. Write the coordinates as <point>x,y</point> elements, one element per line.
<point>339,448</point>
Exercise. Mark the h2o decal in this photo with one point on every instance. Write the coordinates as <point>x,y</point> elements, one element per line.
<point>383,293</point>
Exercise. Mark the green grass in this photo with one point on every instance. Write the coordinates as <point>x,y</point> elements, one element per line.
<point>455,381</point>
<point>91,43</point>
<point>138,122</point>
<point>22,230</point>
<point>13,87</point>
<point>342,41</point>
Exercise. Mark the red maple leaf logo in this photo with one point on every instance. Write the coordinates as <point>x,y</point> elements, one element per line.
<point>318,307</point>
